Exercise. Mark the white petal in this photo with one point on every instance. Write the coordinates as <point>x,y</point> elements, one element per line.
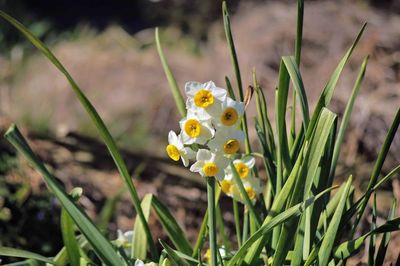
<point>249,161</point>
<point>192,87</point>
<point>197,166</point>
<point>139,263</point>
<point>172,138</point>
<point>209,85</point>
<point>203,155</point>
<point>219,93</point>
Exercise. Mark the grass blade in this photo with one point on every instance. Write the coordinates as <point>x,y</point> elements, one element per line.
<point>172,228</point>
<point>380,256</point>
<point>18,253</point>
<point>231,44</point>
<point>271,223</point>
<point>298,85</point>
<point>328,241</point>
<point>100,244</point>
<point>346,118</point>
<point>378,166</point>
<point>69,238</point>
<point>102,129</point>
<point>139,241</point>
<point>175,258</point>
<point>179,101</point>
<point>327,93</point>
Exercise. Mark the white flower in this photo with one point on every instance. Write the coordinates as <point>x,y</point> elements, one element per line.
<point>176,150</point>
<point>210,164</point>
<point>196,129</point>
<point>204,99</point>
<point>230,114</point>
<point>141,263</point>
<point>252,185</point>
<point>243,167</point>
<point>125,240</point>
<point>227,141</point>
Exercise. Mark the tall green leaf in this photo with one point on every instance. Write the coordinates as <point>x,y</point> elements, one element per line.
<point>173,85</point>
<point>139,241</point>
<point>100,244</point>
<point>327,93</point>
<point>174,231</point>
<point>102,129</point>
<point>325,250</point>
<point>19,253</point>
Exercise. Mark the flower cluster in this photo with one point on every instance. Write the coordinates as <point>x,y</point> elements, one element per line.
<point>210,135</point>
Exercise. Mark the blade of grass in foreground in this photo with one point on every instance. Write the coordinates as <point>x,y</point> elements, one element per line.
<point>325,250</point>
<point>69,239</point>
<point>173,85</point>
<point>100,244</point>
<point>174,231</point>
<point>277,220</point>
<point>18,253</point>
<point>139,241</point>
<point>378,166</point>
<point>102,129</point>
<point>346,117</point>
<point>327,93</point>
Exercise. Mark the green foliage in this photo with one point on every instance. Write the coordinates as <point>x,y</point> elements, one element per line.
<point>300,221</point>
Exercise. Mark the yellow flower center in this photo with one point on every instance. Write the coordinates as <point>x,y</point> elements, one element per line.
<point>208,256</point>
<point>210,169</point>
<point>192,128</point>
<point>203,98</point>
<point>242,169</point>
<point>231,146</point>
<point>173,152</point>
<point>229,117</point>
<point>250,192</point>
<point>226,186</point>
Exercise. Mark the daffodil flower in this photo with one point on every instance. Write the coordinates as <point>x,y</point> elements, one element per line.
<point>252,185</point>
<point>227,141</point>
<point>230,114</point>
<point>124,240</point>
<point>243,167</point>
<point>176,150</point>
<point>204,99</point>
<point>196,129</point>
<point>210,164</point>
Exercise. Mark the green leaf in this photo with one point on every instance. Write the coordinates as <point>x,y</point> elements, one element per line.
<point>100,244</point>
<point>102,129</point>
<point>372,240</point>
<point>172,228</point>
<point>324,252</point>
<point>175,258</point>
<point>327,93</point>
<point>386,238</point>
<point>231,44</point>
<point>19,253</point>
<point>69,238</point>
<point>271,223</point>
<point>346,117</point>
<point>179,101</point>
<point>298,85</point>
<point>378,166</point>
<point>348,248</point>
<point>277,206</point>
<point>139,241</point>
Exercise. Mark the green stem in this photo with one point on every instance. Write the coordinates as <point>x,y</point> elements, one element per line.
<point>212,219</point>
<point>237,222</point>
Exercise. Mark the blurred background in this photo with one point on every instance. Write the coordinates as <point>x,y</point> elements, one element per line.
<point>108,47</point>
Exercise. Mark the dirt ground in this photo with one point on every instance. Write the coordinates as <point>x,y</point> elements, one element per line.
<point>122,76</point>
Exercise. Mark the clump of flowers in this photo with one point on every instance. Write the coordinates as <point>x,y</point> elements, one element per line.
<point>211,136</point>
